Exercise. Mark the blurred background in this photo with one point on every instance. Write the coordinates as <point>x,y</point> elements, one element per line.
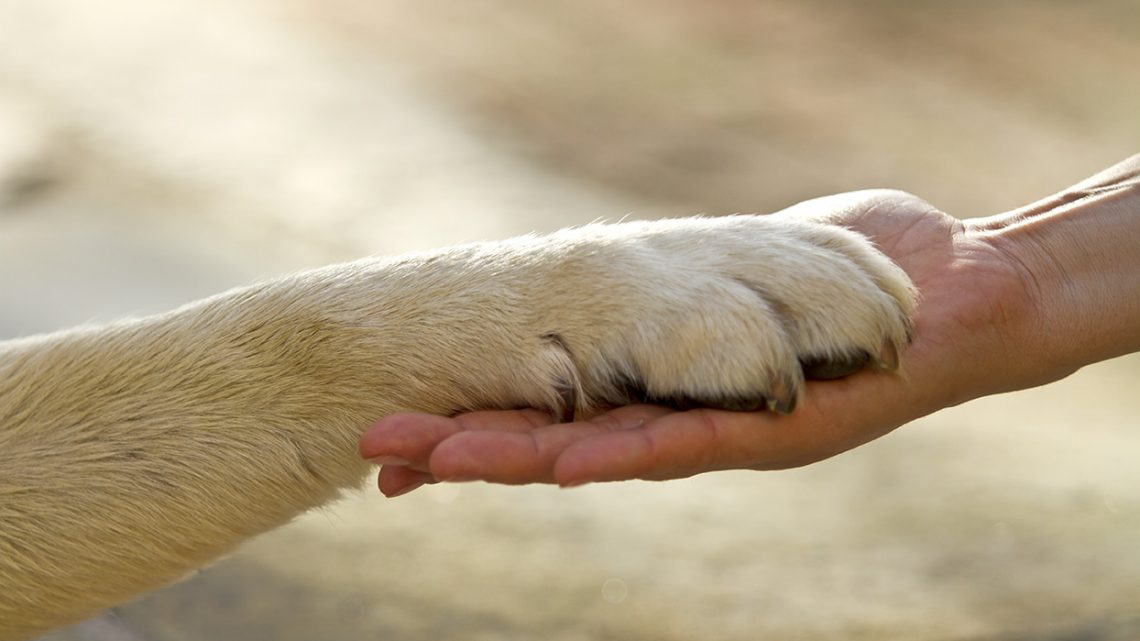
<point>152,152</point>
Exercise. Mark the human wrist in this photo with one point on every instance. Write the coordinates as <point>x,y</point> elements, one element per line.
<point>1077,254</point>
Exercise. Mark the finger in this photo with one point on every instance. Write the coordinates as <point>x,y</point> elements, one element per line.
<point>504,420</point>
<point>397,480</point>
<point>672,446</point>
<point>832,418</point>
<point>516,457</point>
<point>408,438</point>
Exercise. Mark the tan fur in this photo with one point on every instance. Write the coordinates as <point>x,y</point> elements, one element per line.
<point>134,452</point>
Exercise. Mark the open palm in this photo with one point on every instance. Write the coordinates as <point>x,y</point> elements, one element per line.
<point>973,299</point>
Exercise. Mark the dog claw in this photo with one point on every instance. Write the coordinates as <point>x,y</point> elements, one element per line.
<point>888,356</point>
<point>781,396</point>
<point>568,405</point>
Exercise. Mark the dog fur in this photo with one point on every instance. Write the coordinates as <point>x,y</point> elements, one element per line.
<point>134,452</point>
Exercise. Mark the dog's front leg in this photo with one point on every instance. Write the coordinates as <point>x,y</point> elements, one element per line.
<point>132,453</point>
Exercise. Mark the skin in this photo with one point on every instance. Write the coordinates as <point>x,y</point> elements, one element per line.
<point>1008,302</point>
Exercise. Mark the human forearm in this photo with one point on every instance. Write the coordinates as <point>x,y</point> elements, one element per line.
<point>1080,255</point>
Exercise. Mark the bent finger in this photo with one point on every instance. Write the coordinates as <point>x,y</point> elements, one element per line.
<point>397,480</point>
<point>406,439</point>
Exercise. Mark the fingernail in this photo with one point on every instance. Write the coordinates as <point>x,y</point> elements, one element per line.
<point>405,490</point>
<point>572,484</point>
<point>388,460</point>
<point>462,478</point>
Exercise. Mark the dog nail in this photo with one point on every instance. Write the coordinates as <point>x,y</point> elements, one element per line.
<point>889,356</point>
<point>782,396</point>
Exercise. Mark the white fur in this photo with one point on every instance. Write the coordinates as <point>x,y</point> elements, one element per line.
<point>134,452</point>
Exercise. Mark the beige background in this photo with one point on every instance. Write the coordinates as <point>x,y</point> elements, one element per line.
<point>154,152</point>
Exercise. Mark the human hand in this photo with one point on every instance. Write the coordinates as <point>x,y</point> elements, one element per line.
<point>974,308</point>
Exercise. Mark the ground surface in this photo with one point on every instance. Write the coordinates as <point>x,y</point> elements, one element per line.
<point>152,153</point>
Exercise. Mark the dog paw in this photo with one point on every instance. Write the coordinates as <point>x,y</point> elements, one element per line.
<point>730,313</point>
